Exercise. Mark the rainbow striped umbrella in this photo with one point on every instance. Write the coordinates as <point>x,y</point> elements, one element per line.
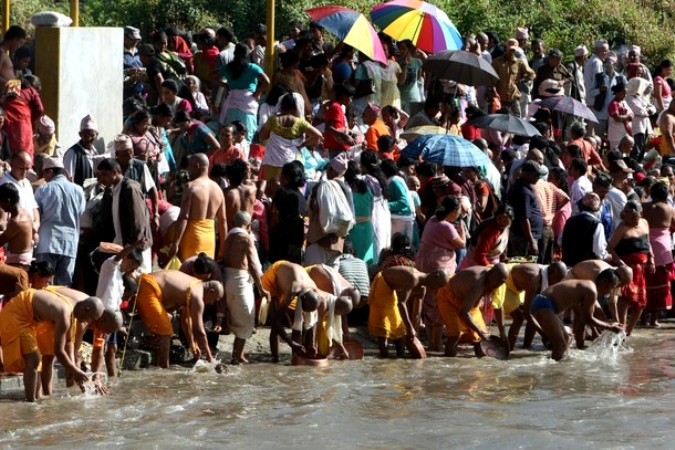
<point>352,27</point>
<point>427,26</point>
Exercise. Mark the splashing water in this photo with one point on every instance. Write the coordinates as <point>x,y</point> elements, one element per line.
<point>607,347</point>
<point>203,366</point>
<point>90,385</point>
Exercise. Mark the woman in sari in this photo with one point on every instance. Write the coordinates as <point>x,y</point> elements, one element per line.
<point>630,245</point>
<point>246,82</point>
<point>661,219</point>
<point>440,239</point>
<point>375,179</point>
<point>490,240</point>
<point>363,232</point>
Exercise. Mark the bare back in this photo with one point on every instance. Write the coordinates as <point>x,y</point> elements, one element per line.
<point>324,280</point>
<point>6,67</point>
<point>240,198</point>
<point>205,199</point>
<point>468,285</point>
<point>48,307</point>
<point>525,275</point>
<point>589,270</point>
<point>19,233</point>
<point>238,253</point>
<point>174,285</point>
<point>569,293</point>
<point>292,278</point>
<point>658,215</point>
<point>402,278</point>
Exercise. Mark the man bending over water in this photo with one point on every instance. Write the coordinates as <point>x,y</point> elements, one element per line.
<point>567,294</point>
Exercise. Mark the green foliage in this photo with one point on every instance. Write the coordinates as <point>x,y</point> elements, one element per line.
<point>562,24</point>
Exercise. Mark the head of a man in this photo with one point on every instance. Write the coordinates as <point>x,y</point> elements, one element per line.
<point>436,279</point>
<point>309,300</point>
<point>110,321</point>
<point>124,149</point>
<point>226,136</point>
<point>9,197</point>
<point>109,172</point>
<point>496,276</point>
<point>556,272</point>
<point>20,164</point>
<point>607,281</point>
<point>89,309</point>
<point>601,48</point>
<point>198,166</point>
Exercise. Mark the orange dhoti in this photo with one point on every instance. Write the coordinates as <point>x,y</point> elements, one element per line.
<point>199,236</point>
<point>150,307</point>
<point>384,319</point>
<point>18,334</point>
<point>449,308</point>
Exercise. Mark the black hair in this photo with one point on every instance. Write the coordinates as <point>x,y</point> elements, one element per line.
<point>538,142</point>
<point>10,193</point>
<point>608,275</point>
<point>240,61</point>
<point>136,255</point>
<point>370,165</point>
<point>140,116</point>
<point>159,36</point>
<point>239,126</point>
<point>432,102</point>
<point>404,161</point>
<point>42,268</point>
<point>348,246</point>
<point>343,90</point>
<point>602,181</point>
<point>426,169</point>
<point>288,103</point>
<point>579,165</point>
<point>110,165</point>
<point>171,85</point>
<point>294,171</point>
<point>181,116</point>
<point>502,209</point>
<point>14,32</point>
<point>225,33</point>
<point>352,178</point>
<point>162,110</point>
<point>203,264</point>
<point>275,94</point>
<point>385,143</point>
<point>22,52</point>
<point>449,204</point>
<point>219,170</point>
<point>236,172</point>
<point>134,104</point>
<point>389,168</point>
<point>289,58</point>
<point>130,285</point>
<point>666,63</point>
<point>659,192</point>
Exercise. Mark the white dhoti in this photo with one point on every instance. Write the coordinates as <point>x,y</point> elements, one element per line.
<point>240,302</point>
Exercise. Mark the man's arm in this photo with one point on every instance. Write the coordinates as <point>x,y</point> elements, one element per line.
<point>198,332</point>
<point>181,222</point>
<point>222,224</point>
<point>279,316</point>
<point>403,310</point>
<point>61,327</point>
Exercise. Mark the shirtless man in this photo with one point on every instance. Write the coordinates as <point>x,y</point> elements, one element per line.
<point>202,203</point>
<point>389,318</point>
<point>171,290</point>
<point>567,294</point>
<point>241,194</point>
<point>458,304</point>
<point>19,320</point>
<point>590,269</point>
<point>17,233</point>
<point>242,270</point>
<point>338,298</point>
<point>286,282</point>
<point>13,38</point>
<point>666,123</point>
<point>109,322</point>
<point>530,279</point>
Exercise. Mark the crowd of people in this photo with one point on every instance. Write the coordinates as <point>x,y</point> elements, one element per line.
<point>288,200</point>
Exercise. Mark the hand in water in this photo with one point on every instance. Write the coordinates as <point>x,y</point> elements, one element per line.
<point>198,352</point>
<point>80,378</point>
<point>101,388</point>
<point>616,327</point>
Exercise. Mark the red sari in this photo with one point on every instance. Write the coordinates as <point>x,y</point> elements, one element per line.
<point>635,292</point>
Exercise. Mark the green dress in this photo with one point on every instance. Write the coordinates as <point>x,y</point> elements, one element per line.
<point>363,233</point>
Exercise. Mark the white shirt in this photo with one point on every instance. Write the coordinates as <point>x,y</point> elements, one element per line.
<point>599,240</point>
<point>26,196</point>
<point>110,288</point>
<point>617,200</point>
<point>116,213</point>
<point>580,187</point>
<point>593,66</point>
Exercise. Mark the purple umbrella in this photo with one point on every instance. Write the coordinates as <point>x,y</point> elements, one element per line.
<point>571,106</point>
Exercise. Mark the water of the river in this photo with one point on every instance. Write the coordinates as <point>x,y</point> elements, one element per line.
<point>594,399</point>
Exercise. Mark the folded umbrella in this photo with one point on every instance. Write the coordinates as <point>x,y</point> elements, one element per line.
<point>447,150</point>
<point>506,123</point>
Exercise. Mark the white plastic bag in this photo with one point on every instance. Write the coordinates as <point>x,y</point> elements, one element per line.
<point>335,214</point>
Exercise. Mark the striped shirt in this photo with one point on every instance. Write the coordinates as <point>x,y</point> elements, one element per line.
<point>551,199</point>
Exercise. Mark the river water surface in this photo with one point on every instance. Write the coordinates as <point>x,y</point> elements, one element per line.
<point>597,398</point>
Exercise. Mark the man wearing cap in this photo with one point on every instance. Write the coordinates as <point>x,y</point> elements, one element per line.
<point>376,126</point>
<point>133,67</point>
<point>137,170</point>
<point>45,140</point>
<point>124,214</point>
<point>20,164</point>
<point>511,71</point>
<point>79,159</point>
<point>583,237</point>
<point>61,205</point>
<point>528,223</point>
<point>577,89</point>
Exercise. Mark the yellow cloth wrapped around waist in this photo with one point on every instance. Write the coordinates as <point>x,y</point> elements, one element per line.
<point>150,306</point>
<point>384,319</point>
<point>199,236</point>
<point>18,331</point>
<point>449,308</point>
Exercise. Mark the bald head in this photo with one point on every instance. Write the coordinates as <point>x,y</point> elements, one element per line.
<point>213,291</point>
<point>496,276</point>
<point>89,309</point>
<point>352,294</point>
<point>241,219</point>
<point>535,155</point>
<point>198,165</point>
<point>343,305</point>
<point>436,279</point>
<point>110,321</point>
<point>20,164</point>
<point>556,272</point>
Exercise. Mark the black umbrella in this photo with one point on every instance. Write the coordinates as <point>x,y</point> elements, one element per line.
<point>506,123</point>
<point>462,67</point>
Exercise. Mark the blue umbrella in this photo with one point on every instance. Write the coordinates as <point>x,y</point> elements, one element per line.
<point>447,150</point>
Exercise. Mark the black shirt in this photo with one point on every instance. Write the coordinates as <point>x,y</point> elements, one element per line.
<point>525,205</point>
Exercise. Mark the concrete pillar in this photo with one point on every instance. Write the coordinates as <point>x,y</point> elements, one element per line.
<point>81,70</point>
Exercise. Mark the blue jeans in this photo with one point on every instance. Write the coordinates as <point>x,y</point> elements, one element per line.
<point>64,267</point>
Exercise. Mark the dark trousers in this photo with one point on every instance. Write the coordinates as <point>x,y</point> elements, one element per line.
<point>545,244</point>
